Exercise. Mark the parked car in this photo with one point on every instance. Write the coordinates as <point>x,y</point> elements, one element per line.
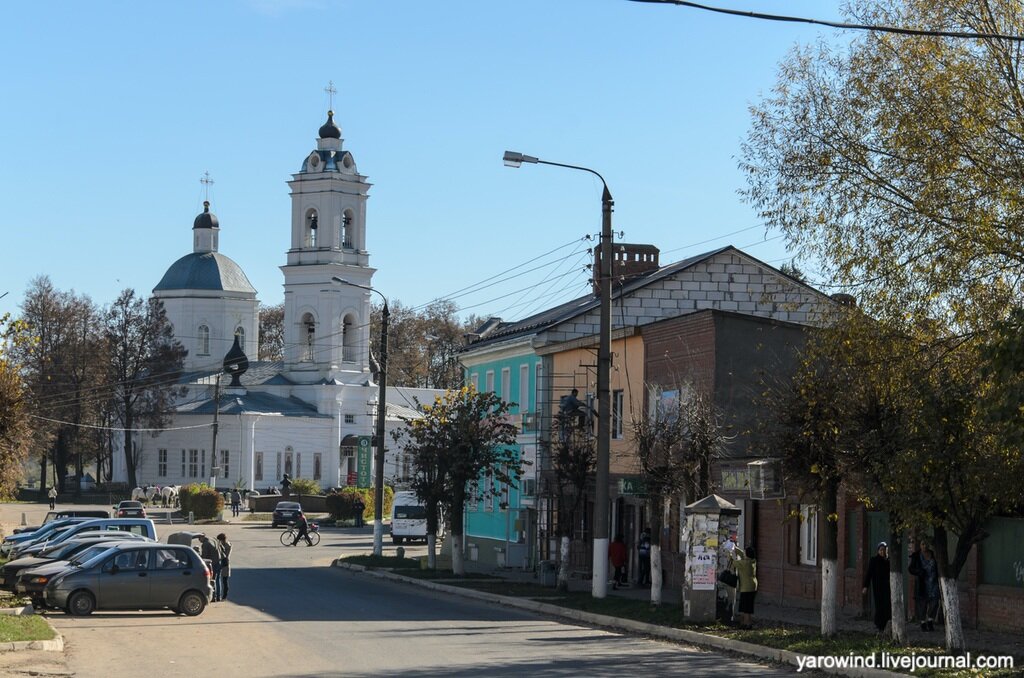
<point>130,509</point>
<point>285,513</point>
<point>76,513</point>
<point>60,553</point>
<point>141,526</point>
<point>13,541</point>
<point>34,549</point>
<point>134,576</point>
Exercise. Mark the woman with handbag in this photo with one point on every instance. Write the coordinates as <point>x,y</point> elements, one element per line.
<point>225,565</point>
<point>745,566</point>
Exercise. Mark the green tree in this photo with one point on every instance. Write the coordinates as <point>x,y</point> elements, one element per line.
<point>894,163</point>
<point>15,428</point>
<point>144,364</point>
<point>466,439</point>
<point>422,344</point>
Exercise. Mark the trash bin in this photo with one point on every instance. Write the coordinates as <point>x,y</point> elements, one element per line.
<point>548,571</point>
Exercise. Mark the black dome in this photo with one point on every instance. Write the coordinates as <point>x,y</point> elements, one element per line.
<point>207,219</point>
<point>329,130</point>
<point>236,363</point>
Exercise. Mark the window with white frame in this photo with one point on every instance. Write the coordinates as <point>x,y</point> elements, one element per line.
<point>224,457</point>
<point>524,388</point>
<point>204,340</point>
<point>808,534</point>
<point>474,379</point>
<point>489,381</point>
<point>202,463</point>
<point>193,463</point>
<point>161,463</point>
<point>618,401</point>
<point>183,463</point>
<point>350,418</point>
<point>506,384</point>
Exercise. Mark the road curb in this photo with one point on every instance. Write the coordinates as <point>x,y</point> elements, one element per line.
<point>55,644</point>
<point>605,621</point>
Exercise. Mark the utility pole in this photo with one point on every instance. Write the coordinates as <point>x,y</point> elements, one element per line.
<point>216,417</point>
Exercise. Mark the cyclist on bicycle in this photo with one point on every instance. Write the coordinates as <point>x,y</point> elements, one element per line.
<point>302,529</point>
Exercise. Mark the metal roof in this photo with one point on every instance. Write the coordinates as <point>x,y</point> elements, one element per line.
<point>205,271</point>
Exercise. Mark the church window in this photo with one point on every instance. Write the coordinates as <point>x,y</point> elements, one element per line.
<point>224,456</point>
<point>350,418</point>
<point>258,470</point>
<point>240,333</point>
<point>161,463</point>
<point>193,463</point>
<point>348,339</point>
<point>316,466</point>
<point>346,233</point>
<point>202,463</point>
<point>310,334</point>
<point>183,463</point>
<point>312,225</point>
<point>204,340</point>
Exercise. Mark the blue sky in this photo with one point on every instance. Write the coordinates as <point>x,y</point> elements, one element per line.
<point>112,111</point>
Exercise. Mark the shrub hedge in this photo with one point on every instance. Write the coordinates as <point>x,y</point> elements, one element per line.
<point>202,500</point>
<point>304,486</point>
<point>341,505</point>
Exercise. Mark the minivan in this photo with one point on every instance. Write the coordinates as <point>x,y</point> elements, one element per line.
<point>409,518</point>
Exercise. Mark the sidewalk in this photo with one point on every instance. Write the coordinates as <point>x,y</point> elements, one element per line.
<point>978,642</point>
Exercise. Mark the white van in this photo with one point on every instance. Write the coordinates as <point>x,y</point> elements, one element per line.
<point>409,518</point>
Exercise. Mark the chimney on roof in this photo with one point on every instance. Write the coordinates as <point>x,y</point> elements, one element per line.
<point>628,261</point>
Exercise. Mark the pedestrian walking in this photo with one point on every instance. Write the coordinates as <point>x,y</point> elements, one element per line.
<point>745,566</point>
<point>930,575</point>
<point>920,590</point>
<point>210,551</point>
<point>877,577</point>
<point>643,559</point>
<point>617,555</point>
<point>225,564</point>
<point>359,508</point>
<point>236,503</point>
<point>52,495</point>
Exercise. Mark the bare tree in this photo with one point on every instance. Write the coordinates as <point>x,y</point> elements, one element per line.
<point>573,459</point>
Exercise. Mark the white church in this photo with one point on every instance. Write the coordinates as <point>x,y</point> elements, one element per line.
<point>305,415</point>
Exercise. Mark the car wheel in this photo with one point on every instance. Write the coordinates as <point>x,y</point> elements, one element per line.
<point>192,603</point>
<point>81,603</point>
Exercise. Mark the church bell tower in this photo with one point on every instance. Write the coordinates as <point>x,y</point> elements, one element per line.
<point>326,322</point>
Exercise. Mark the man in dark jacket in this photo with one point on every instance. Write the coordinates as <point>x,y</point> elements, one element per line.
<point>920,591</point>
<point>210,551</point>
<point>302,530</point>
<point>877,577</point>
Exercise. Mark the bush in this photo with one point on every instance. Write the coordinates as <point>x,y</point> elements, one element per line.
<point>341,505</point>
<point>304,486</point>
<point>202,500</point>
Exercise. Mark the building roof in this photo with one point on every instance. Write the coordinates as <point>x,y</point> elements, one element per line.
<point>205,271</point>
<point>253,403</point>
<point>576,307</point>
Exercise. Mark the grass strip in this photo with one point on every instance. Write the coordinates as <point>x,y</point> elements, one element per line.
<point>14,628</point>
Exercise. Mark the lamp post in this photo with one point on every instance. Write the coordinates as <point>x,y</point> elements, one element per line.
<point>599,585</point>
<point>378,457</point>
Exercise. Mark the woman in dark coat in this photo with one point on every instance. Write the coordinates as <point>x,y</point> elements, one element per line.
<point>877,577</point>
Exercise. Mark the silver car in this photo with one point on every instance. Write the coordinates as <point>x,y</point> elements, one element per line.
<point>133,576</point>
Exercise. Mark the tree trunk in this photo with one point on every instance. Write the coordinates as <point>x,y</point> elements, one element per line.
<point>563,563</point>
<point>458,527</point>
<point>655,572</point>
<point>43,482</point>
<point>896,589</point>
<point>458,567</point>
<point>432,551</point>
<point>955,641</point>
<point>830,559</point>
<point>129,458</point>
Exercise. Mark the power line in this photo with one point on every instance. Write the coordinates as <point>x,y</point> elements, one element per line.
<point>875,28</point>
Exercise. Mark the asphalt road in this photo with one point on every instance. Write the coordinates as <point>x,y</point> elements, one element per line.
<point>290,614</point>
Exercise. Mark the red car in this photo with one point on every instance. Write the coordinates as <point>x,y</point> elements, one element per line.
<point>130,509</point>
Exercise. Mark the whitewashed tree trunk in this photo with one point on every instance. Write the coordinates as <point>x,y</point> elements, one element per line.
<point>655,574</point>
<point>955,641</point>
<point>458,567</point>
<point>563,564</point>
<point>829,595</point>
<point>432,551</point>
<point>899,617</point>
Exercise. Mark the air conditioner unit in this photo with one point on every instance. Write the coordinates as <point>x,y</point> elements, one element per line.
<point>764,478</point>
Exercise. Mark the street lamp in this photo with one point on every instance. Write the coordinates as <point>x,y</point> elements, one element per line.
<point>378,460</point>
<point>599,587</point>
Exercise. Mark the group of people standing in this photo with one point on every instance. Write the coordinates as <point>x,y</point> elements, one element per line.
<point>926,585</point>
<point>618,555</point>
<point>218,552</point>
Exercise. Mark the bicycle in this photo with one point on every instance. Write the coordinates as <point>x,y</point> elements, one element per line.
<point>288,536</point>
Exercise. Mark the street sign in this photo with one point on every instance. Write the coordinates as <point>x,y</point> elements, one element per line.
<point>632,487</point>
<point>363,462</point>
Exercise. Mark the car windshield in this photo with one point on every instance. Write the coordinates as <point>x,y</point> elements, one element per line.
<point>83,558</point>
<point>58,551</point>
